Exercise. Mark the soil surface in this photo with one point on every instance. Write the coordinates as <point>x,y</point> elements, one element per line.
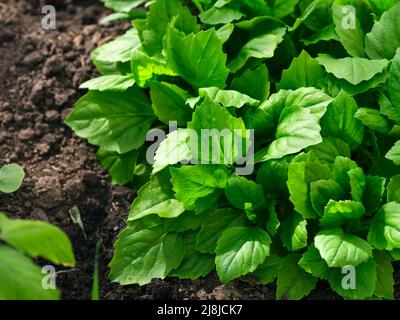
<point>40,72</point>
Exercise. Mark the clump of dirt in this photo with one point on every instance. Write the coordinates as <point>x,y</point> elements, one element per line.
<point>40,72</point>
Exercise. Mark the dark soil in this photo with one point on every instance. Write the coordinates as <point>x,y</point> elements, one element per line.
<point>40,72</point>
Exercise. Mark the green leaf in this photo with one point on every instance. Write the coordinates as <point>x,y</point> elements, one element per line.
<point>326,34</point>
<point>143,254</point>
<point>297,113</point>
<point>395,254</point>
<point>384,233</point>
<point>394,154</point>
<point>228,98</point>
<point>384,286</point>
<point>193,184</point>
<point>294,232</point>
<point>338,213</point>
<point>293,282</point>
<point>341,249</point>
<point>365,279</point>
<point>303,72</point>
<point>37,239</point>
<point>350,36</point>
<point>121,167</point>
<point>160,15</point>
<point>194,264</point>
<point>312,263</point>
<point>394,81</point>
<point>358,183</point>
<point>300,175</point>
<point>261,47</point>
<point>187,221</point>
<point>241,191</point>
<point>11,177</point>
<point>219,134</point>
<point>340,84</point>
<point>225,32</point>
<point>265,118</point>
<point>373,119</point>
<point>212,229</point>
<point>253,82</point>
<point>21,279</point>
<point>341,167</point>
<point>383,40</point>
<point>109,83</point>
<point>273,175</point>
<point>340,122</point>
<point>240,250</point>
<point>372,197</point>
<point>123,5</point>
<point>118,16</point>
<point>145,68</point>
<point>329,149</point>
<point>174,149</point>
<point>322,191</point>
<point>156,197</point>
<point>169,102</point>
<point>267,271</point>
<point>307,12</point>
<point>198,58</point>
<point>114,121</point>
<point>382,6</point>
<point>388,109</point>
<point>353,70</point>
<point>108,57</point>
<point>273,222</point>
<point>222,15</point>
<point>282,8</point>
<point>298,129</point>
<point>393,189</point>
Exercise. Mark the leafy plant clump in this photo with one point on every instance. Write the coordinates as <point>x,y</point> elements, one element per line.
<point>319,83</point>
<point>21,240</point>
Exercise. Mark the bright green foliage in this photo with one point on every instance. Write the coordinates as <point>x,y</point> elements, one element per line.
<point>340,122</point>
<point>37,239</point>
<point>109,83</point>
<point>339,249</point>
<point>20,277</point>
<point>113,121</point>
<point>303,72</point>
<point>14,267</point>
<point>240,244</point>
<point>318,83</point>
<point>11,177</point>
<point>149,251</point>
<point>293,282</point>
<point>383,40</point>
<point>205,67</point>
<point>156,197</point>
<point>353,70</point>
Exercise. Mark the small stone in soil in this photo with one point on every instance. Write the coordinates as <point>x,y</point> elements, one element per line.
<point>26,134</point>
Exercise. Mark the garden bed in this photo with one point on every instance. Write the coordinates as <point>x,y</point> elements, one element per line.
<point>40,72</point>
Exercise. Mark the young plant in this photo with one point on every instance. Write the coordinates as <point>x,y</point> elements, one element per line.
<point>316,82</point>
<point>22,240</point>
<point>11,177</point>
